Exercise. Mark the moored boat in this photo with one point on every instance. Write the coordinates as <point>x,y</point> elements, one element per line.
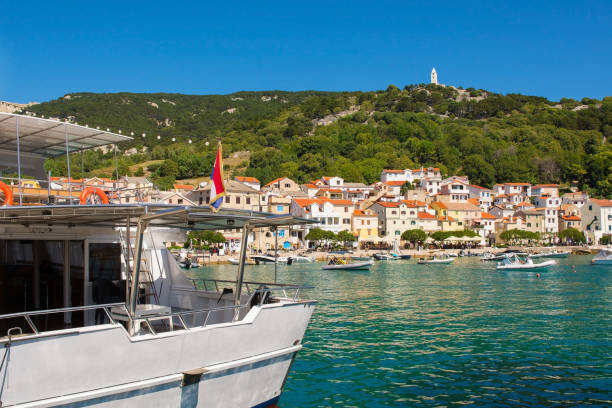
<point>341,264</point>
<point>437,259</point>
<point>604,257</point>
<point>514,263</point>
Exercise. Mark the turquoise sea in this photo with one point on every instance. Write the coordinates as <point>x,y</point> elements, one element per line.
<point>407,335</point>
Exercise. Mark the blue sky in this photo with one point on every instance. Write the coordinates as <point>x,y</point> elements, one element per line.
<point>553,49</point>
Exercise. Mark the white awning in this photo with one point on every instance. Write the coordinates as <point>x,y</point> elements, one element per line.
<point>47,138</point>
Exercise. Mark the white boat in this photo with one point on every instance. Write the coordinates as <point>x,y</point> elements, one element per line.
<point>437,259</point>
<point>302,259</point>
<point>551,254</point>
<point>268,259</point>
<point>80,326</point>
<point>340,264</point>
<point>386,257</point>
<point>604,257</point>
<point>514,263</point>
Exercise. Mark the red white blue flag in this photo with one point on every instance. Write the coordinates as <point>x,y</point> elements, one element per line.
<point>217,186</point>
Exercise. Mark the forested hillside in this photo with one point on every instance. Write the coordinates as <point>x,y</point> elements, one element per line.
<point>304,135</point>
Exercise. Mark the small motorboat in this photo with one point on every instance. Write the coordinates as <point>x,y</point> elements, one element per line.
<point>551,254</point>
<point>437,259</point>
<point>604,257</point>
<point>186,264</point>
<point>514,262</point>
<point>386,257</point>
<point>405,256</point>
<point>302,259</point>
<point>194,264</point>
<point>235,261</point>
<point>269,259</point>
<point>341,265</point>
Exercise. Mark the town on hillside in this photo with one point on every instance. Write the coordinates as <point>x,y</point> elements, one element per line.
<point>376,215</point>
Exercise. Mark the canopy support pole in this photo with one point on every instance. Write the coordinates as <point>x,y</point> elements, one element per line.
<point>18,161</point>
<point>240,276</point>
<point>275,252</point>
<point>68,164</point>
<point>136,268</point>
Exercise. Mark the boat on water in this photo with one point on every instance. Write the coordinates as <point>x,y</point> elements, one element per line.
<point>551,254</point>
<point>236,261</point>
<point>501,256</point>
<point>341,264</point>
<point>386,257</point>
<point>188,263</point>
<point>302,259</point>
<point>514,262</point>
<point>604,257</point>
<point>95,311</point>
<point>269,259</point>
<point>405,257</point>
<point>437,259</point>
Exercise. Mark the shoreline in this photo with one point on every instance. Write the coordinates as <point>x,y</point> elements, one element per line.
<point>321,256</point>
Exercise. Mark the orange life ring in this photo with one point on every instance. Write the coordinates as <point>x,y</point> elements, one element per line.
<point>92,190</point>
<point>8,194</point>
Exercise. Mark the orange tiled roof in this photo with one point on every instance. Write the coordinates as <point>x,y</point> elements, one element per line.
<point>393,171</point>
<point>246,179</point>
<point>394,183</point>
<point>310,185</point>
<point>488,216</point>
<point>414,203</point>
<point>426,216</point>
<point>361,213</point>
<point>545,185</point>
<point>570,218</point>
<point>602,203</point>
<point>517,184</point>
<point>274,181</point>
<point>182,187</point>
<point>440,204</point>
<point>388,204</point>
<point>473,201</point>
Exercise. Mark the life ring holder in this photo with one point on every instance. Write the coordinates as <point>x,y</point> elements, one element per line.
<point>92,190</point>
<point>8,194</point>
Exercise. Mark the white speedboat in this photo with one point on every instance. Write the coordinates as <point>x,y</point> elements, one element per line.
<point>437,259</point>
<point>604,257</point>
<point>96,312</point>
<point>302,259</point>
<point>515,263</point>
<point>340,264</point>
<point>268,259</point>
<point>386,257</point>
<point>551,254</point>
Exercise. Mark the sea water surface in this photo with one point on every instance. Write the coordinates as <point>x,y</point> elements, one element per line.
<point>406,335</point>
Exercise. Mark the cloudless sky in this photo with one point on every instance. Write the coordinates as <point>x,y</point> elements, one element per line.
<point>547,48</point>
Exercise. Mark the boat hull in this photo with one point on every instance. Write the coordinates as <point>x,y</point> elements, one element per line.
<point>237,365</point>
<point>528,267</point>
<point>358,266</point>
<point>602,261</point>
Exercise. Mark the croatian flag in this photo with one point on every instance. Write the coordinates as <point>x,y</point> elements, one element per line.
<point>217,187</point>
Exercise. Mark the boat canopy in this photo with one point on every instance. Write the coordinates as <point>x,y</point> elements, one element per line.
<point>156,215</point>
<point>49,138</point>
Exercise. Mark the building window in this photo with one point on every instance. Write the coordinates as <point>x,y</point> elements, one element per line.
<point>287,185</point>
<point>280,208</point>
<point>368,222</point>
<point>237,200</point>
<point>248,200</point>
<point>345,209</point>
<point>403,213</point>
<point>227,199</point>
<point>180,201</point>
<point>393,212</point>
<point>347,221</point>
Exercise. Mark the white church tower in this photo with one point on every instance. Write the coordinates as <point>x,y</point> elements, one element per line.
<point>434,76</point>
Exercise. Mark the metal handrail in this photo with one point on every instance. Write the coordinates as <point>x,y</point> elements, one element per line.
<point>60,310</point>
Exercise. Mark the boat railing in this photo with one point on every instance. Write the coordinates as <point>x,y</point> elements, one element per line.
<point>115,312</point>
<point>29,317</point>
<point>216,285</point>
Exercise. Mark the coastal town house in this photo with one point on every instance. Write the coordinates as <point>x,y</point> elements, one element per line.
<point>577,198</point>
<point>282,185</point>
<point>249,181</point>
<point>237,196</point>
<point>394,218</point>
<point>482,194</point>
<point>523,189</point>
<point>364,225</point>
<point>551,190</point>
<point>485,226</point>
<point>463,213</point>
<point>333,215</point>
<point>534,219</point>
<point>596,219</point>
<point>454,191</point>
<point>427,222</point>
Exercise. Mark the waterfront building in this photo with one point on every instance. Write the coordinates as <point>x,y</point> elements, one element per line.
<point>395,217</point>
<point>237,196</point>
<point>463,213</point>
<point>596,219</point>
<point>485,226</point>
<point>523,189</point>
<point>364,225</point>
<point>333,215</point>
<point>535,219</point>
<point>182,188</point>
<point>427,222</point>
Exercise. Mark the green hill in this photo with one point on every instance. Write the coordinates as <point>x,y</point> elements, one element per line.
<point>304,135</point>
